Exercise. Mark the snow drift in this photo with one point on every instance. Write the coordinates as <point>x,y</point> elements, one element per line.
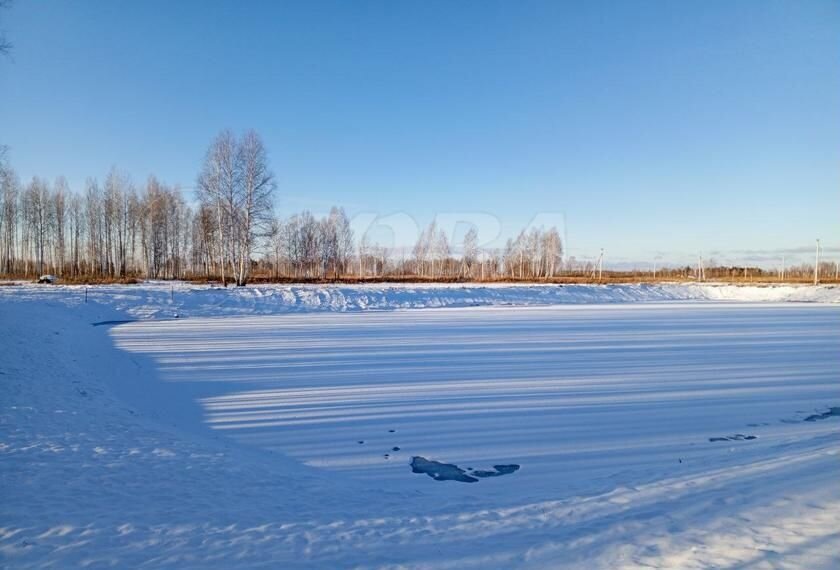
<point>165,299</point>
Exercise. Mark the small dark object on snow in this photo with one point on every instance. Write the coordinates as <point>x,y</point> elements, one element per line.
<point>361,441</point>
<point>395,448</point>
<point>47,279</point>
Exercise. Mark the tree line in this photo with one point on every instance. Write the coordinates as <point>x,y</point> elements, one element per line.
<point>229,232</point>
<point>226,230</point>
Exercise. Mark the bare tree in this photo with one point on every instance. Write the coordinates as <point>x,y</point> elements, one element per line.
<point>254,197</point>
<point>217,187</point>
<point>364,252</point>
<point>552,249</point>
<point>76,230</point>
<point>307,243</point>
<point>93,216</point>
<point>424,249</point>
<point>8,212</point>
<point>470,253</point>
<point>344,239</point>
<point>441,251</point>
<point>59,214</point>
<point>38,219</point>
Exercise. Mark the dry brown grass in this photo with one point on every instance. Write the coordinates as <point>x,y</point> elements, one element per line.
<point>609,277</point>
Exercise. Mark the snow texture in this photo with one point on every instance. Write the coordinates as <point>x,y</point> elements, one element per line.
<point>275,427</point>
<point>167,299</point>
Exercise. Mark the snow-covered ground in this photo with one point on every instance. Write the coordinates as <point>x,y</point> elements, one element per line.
<point>163,299</point>
<point>653,426</point>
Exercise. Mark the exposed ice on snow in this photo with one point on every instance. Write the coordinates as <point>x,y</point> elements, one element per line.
<point>832,412</point>
<point>736,437</point>
<point>113,322</point>
<point>497,471</point>
<point>440,471</point>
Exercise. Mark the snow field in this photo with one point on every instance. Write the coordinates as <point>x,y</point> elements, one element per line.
<point>233,441</point>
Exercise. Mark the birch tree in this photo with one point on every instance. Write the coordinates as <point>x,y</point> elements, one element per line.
<point>470,252</point>
<point>59,217</point>
<point>217,186</point>
<point>254,193</point>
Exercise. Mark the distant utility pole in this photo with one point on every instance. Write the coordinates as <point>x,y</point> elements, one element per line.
<point>701,272</point>
<point>817,265</point>
<point>654,270</point>
<point>783,269</point>
<point>601,265</point>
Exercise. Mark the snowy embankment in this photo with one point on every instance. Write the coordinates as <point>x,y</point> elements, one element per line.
<point>163,299</point>
<point>662,433</point>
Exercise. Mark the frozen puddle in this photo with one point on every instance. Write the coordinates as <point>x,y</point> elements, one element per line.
<point>449,472</point>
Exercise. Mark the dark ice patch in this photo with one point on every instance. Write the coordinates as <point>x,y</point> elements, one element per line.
<point>736,437</point>
<point>440,471</point>
<point>835,411</point>
<point>450,472</point>
<point>498,471</point>
<point>106,323</point>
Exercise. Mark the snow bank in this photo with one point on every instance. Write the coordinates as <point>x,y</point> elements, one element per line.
<point>160,299</point>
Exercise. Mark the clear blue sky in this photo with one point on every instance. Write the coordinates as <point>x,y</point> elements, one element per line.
<point>654,126</point>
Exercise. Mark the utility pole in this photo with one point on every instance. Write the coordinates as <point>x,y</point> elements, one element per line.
<point>701,274</point>
<point>817,265</point>
<point>654,270</point>
<point>783,268</point>
<point>601,265</point>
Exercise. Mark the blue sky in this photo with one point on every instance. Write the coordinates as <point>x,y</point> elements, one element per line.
<point>655,128</point>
